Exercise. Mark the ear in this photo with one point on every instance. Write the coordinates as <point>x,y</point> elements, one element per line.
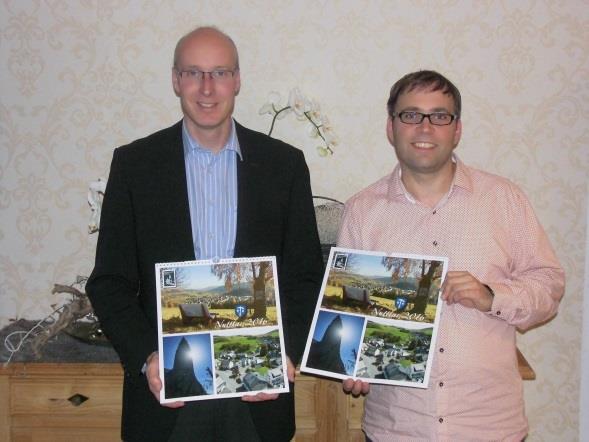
<point>237,82</point>
<point>175,82</point>
<point>390,134</point>
<point>457,132</point>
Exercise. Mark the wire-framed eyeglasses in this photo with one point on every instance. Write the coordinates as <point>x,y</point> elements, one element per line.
<point>218,75</point>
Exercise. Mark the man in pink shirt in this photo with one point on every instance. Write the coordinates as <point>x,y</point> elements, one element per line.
<point>503,273</point>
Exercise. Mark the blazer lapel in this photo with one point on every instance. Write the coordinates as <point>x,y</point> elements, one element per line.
<point>249,187</point>
<point>174,169</point>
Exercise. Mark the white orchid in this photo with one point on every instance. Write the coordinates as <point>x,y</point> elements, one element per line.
<point>299,103</point>
<point>272,106</point>
<point>96,191</point>
<point>315,113</point>
<point>312,130</point>
<point>305,110</point>
<point>266,109</point>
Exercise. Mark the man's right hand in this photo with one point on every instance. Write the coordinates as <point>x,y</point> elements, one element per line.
<point>356,387</point>
<point>152,373</point>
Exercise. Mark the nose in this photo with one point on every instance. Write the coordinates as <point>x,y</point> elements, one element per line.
<point>425,125</point>
<point>206,84</point>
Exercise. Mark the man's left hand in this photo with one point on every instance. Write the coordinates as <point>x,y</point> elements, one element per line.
<point>290,372</point>
<point>465,289</point>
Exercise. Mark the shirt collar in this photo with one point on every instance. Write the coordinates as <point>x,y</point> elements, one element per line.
<point>462,179</point>
<point>190,144</point>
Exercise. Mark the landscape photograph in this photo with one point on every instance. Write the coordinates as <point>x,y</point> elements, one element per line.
<point>202,297</point>
<point>187,366</point>
<point>391,287</point>
<point>394,353</point>
<point>248,362</point>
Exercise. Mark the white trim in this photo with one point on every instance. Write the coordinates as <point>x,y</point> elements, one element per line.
<point>584,394</point>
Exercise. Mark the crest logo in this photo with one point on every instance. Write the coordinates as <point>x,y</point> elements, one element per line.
<point>401,303</point>
<point>241,310</point>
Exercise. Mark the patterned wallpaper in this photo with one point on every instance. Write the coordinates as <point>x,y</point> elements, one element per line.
<point>80,77</point>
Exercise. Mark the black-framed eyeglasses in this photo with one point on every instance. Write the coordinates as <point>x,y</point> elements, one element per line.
<point>216,75</point>
<point>435,118</point>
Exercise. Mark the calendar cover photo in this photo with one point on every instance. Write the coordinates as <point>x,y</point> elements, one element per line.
<point>376,318</point>
<point>219,329</point>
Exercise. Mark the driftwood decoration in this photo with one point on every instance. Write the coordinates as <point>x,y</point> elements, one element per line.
<point>67,314</point>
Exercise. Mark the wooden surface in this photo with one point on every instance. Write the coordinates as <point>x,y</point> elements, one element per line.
<point>60,402</point>
<point>525,369</point>
<point>324,413</point>
<point>38,403</point>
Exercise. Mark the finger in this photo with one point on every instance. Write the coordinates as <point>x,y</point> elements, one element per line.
<point>360,387</point>
<point>155,386</point>
<point>260,397</point>
<point>290,370</point>
<point>177,404</point>
<point>459,286</point>
<point>348,385</point>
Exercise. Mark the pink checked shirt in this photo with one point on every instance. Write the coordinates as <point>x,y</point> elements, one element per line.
<point>486,226</point>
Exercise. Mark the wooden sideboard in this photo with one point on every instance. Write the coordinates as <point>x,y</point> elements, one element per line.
<point>52,402</point>
<point>60,402</point>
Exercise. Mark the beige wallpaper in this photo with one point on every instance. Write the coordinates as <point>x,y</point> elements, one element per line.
<point>81,77</point>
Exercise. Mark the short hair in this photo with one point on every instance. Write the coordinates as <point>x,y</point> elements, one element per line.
<point>199,29</point>
<point>428,80</point>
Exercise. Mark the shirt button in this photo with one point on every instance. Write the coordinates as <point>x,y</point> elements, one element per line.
<point>441,420</point>
<point>441,384</point>
<point>442,350</point>
<point>435,243</point>
<point>434,212</point>
<point>498,312</point>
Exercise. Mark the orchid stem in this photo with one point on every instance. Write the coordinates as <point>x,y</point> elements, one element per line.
<point>316,127</point>
<point>276,112</point>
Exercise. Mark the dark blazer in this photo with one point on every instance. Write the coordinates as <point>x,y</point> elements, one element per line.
<point>146,219</point>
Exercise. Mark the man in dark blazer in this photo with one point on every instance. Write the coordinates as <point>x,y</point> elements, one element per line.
<point>146,219</point>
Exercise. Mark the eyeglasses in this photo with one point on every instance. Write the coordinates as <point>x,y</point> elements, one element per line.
<point>435,118</point>
<point>219,75</point>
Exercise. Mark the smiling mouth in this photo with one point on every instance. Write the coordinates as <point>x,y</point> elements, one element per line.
<point>423,145</point>
<point>207,105</point>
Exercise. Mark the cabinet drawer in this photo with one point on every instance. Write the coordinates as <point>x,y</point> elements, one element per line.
<point>54,401</point>
<point>65,435</point>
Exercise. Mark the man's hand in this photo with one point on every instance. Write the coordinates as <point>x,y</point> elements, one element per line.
<point>290,373</point>
<point>465,289</point>
<point>153,379</point>
<point>290,370</point>
<point>356,387</point>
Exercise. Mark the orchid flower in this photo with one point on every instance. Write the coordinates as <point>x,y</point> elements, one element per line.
<point>305,110</point>
<point>299,103</point>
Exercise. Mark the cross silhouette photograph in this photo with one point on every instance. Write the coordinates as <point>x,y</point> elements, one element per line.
<point>335,344</point>
<point>187,366</point>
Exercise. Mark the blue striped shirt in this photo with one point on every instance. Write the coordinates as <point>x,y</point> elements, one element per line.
<point>212,195</point>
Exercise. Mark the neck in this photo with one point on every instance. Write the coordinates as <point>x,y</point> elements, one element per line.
<point>428,188</point>
<point>213,139</point>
